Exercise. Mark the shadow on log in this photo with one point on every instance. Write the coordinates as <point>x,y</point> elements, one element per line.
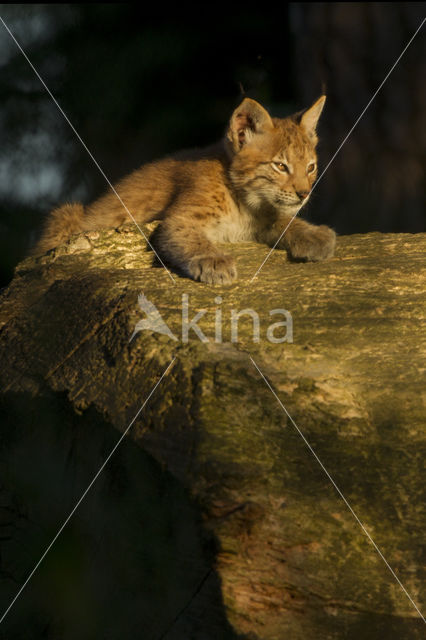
<point>132,562</point>
<point>213,519</point>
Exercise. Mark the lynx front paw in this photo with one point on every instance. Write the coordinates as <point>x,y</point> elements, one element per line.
<point>213,269</point>
<point>314,243</point>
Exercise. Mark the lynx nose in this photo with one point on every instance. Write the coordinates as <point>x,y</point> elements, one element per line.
<point>303,194</point>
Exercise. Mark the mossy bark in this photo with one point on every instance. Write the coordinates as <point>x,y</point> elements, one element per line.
<point>245,535</point>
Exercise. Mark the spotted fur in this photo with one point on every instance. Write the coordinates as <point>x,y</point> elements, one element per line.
<point>247,187</point>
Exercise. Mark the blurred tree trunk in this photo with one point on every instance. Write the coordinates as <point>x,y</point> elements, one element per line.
<point>347,49</point>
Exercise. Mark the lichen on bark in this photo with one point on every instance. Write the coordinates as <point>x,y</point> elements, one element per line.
<point>225,513</point>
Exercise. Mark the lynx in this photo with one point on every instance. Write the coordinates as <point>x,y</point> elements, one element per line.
<point>246,187</point>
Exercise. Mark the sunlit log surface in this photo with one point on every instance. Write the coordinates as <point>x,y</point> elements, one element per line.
<point>213,519</point>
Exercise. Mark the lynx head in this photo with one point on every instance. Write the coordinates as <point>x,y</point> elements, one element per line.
<point>273,160</point>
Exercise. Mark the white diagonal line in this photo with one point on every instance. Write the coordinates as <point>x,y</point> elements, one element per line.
<point>345,139</point>
<point>95,477</point>
<point>83,143</point>
<point>340,493</point>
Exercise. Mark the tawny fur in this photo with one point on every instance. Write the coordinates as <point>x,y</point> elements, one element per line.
<point>60,225</point>
<point>247,187</point>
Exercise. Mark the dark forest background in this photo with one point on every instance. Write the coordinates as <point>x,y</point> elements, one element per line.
<point>138,86</point>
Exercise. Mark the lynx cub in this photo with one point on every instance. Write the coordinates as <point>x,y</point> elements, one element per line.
<point>246,187</point>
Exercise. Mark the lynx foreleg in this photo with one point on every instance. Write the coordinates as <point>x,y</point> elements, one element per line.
<point>182,244</point>
<point>302,240</point>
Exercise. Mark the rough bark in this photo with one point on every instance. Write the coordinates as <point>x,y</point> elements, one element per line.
<point>213,519</point>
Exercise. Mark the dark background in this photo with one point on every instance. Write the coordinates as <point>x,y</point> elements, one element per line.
<point>138,86</point>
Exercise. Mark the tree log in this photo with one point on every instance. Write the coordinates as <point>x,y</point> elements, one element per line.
<point>213,518</point>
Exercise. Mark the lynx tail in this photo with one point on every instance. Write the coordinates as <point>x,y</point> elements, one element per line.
<point>59,226</point>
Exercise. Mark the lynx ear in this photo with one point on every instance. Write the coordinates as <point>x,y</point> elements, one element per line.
<point>247,120</point>
<point>309,118</point>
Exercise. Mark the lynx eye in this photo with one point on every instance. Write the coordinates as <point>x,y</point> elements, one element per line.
<point>281,166</point>
<point>311,167</point>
